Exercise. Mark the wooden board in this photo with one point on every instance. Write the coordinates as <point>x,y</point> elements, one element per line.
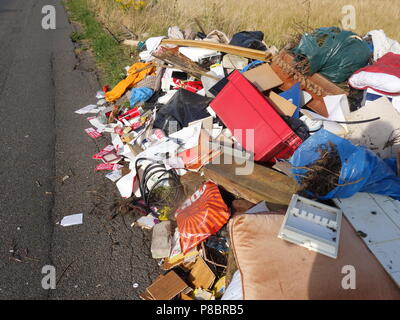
<point>167,287</point>
<point>200,275</point>
<point>378,218</point>
<point>262,184</point>
<point>226,48</point>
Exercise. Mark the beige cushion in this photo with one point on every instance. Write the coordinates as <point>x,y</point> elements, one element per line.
<point>272,268</point>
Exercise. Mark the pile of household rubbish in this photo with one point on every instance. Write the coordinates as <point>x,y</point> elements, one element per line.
<point>231,151</point>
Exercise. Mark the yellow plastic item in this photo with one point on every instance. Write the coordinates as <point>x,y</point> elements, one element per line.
<point>219,287</point>
<point>136,73</point>
<point>163,217</point>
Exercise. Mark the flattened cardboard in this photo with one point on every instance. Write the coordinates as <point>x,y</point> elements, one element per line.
<point>283,106</point>
<point>200,275</point>
<point>263,77</point>
<point>168,287</point>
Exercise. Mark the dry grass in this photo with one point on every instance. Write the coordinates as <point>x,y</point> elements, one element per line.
<point>276,18</point>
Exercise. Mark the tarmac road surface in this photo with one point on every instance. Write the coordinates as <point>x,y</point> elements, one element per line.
<point>42,83</point>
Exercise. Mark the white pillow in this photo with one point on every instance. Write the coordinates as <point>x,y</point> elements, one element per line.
<point>382,82</point>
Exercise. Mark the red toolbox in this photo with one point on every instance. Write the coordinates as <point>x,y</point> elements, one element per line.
<point>242,108</point>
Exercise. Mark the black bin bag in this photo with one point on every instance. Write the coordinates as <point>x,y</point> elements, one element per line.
<point>183,108</point>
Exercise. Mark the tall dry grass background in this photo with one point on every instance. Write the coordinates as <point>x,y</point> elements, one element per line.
<point>276,18</point>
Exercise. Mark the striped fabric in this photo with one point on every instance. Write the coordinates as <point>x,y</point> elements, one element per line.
<point>201,216</point>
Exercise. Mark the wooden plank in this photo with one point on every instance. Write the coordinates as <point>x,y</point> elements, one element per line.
<point>262,184</point>
<point>200,275</point>
<point>378,217</point>
<point>226,48</point>
<point>167,287</point>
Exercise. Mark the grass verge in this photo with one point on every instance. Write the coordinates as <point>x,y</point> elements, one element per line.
<point>278,19</point>
<point>111,57</point>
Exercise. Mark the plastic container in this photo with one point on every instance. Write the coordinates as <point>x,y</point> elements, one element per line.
<point>312,225</point>
<point>254,121</point>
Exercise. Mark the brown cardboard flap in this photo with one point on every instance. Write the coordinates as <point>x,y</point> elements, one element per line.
<point>283,106</point>
<point>263,77</point>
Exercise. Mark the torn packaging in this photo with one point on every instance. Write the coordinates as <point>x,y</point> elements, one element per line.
<point>103,152</point>
<point>93,133</point>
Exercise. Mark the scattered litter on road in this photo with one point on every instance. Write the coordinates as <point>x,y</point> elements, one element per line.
<point>72,220</point>
<point>65,178</point>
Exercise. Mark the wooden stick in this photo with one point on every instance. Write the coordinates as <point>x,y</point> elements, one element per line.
<point>226,48</point>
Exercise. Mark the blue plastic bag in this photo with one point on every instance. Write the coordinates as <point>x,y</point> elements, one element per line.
<point>359,165</point>
<point>140,95</point>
